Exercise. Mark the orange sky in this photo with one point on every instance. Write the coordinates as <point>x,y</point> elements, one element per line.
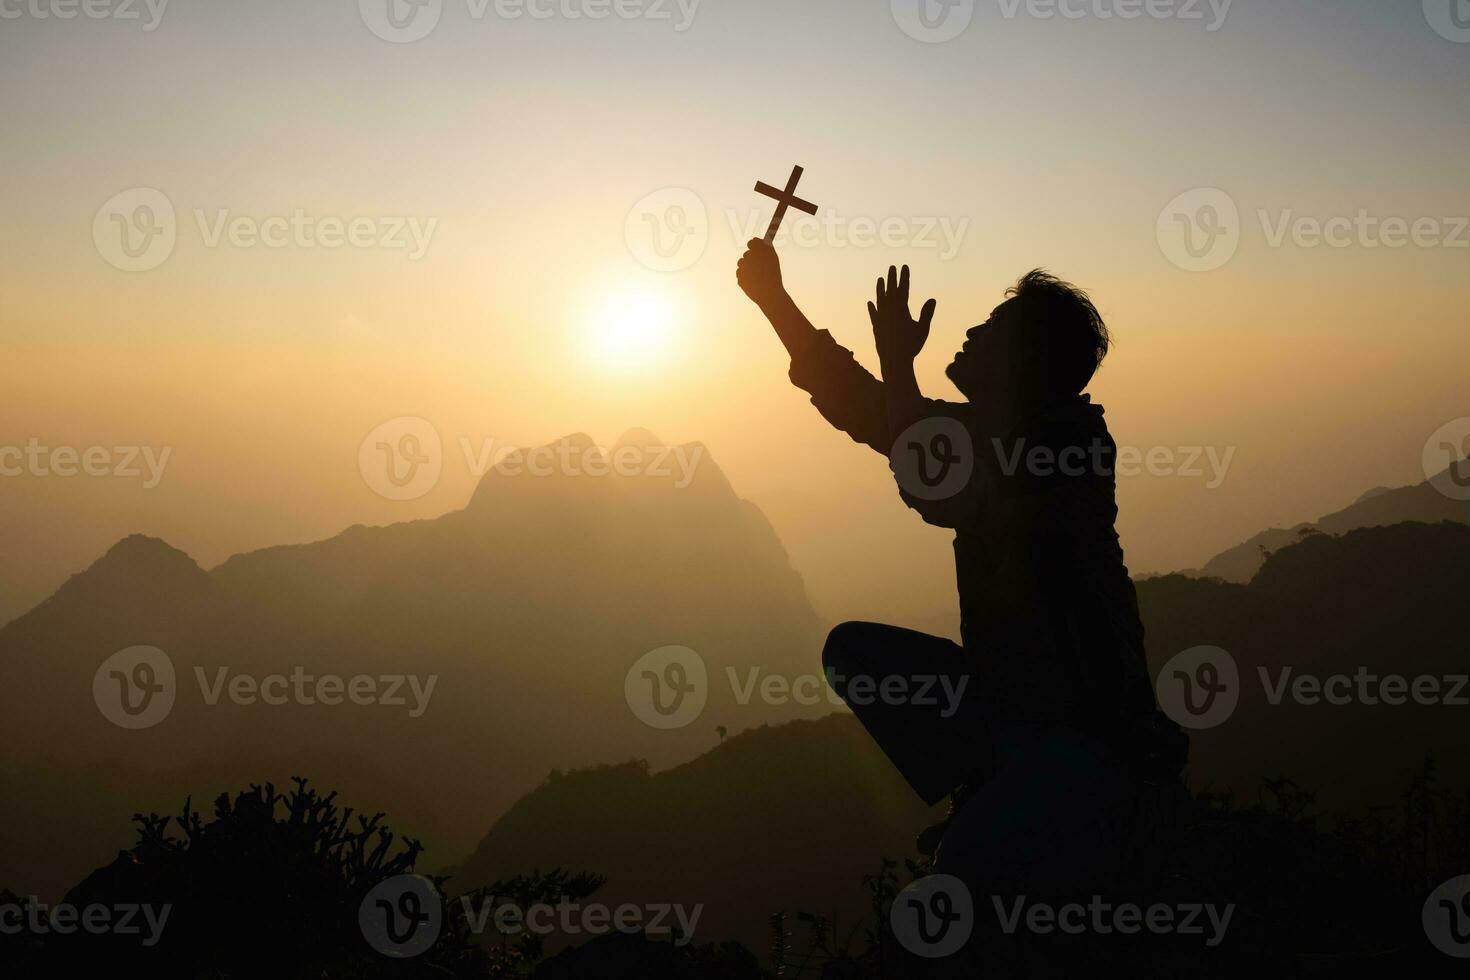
<point>531,157</point>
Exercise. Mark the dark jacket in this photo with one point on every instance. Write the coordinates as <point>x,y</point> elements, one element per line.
<point>1048,611</point>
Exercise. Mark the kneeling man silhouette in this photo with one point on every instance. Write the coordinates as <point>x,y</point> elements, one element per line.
<point>1057,763</point>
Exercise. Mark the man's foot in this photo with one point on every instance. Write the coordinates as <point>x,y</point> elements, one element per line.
<point>930,837</point>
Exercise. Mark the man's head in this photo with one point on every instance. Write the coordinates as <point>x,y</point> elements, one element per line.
<point>1044,342</point>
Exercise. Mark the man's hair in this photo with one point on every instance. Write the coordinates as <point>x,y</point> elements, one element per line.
<point>1078,339</point>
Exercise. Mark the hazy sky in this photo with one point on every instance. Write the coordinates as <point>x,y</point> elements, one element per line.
<point>508,174</point>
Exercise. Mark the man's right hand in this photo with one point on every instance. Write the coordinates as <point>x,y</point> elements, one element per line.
<point>759,273</point>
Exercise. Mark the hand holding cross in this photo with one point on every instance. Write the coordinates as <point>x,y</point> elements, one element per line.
<point>785,199</point>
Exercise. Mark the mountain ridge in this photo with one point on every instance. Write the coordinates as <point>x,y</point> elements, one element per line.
<point>529,613</point>
<point>1374,508</point>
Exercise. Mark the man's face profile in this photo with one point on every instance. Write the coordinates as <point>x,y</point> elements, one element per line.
<point>989,353</point>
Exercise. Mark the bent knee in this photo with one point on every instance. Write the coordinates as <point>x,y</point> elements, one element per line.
<point>845,643</point>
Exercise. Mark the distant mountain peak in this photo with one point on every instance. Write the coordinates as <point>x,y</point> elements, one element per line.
<point>577,440</point>
<point>139,552</point>
<point>641,438</point>
<point>1381,506</point>
<point>637,454</point>
<point>139,575</point>
<point>138,561</point>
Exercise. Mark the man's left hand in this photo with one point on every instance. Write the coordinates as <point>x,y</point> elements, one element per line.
<point>898,336</point>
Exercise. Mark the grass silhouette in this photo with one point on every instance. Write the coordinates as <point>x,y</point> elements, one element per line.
<point>271,884</point>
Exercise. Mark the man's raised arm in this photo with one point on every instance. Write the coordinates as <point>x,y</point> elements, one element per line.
<point>846,394</point>
<point>899,338</point>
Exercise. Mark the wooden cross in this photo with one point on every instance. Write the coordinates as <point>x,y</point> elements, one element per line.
<point>785,199</point>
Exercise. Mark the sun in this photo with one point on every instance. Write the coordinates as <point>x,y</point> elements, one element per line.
<point>633,327</point>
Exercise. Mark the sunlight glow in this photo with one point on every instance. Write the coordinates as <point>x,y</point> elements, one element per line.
<point>633,327</point>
